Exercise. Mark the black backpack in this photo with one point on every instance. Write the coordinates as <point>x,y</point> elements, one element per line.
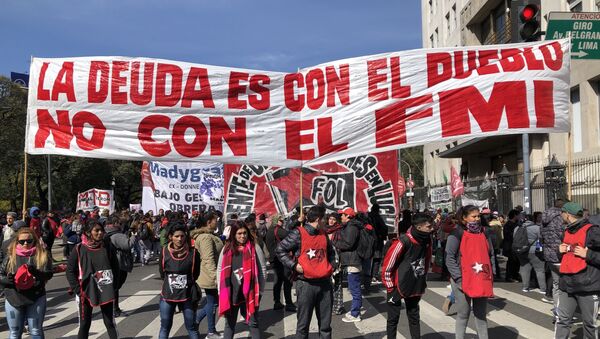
<point>366,243</point>
<point>520,243</point>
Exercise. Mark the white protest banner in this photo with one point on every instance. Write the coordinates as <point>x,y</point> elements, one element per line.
<point>181,186</point>
<point>439,194</point>
<point>479,203</point>
<point>152,109</point>
<point>135,207</point>
<point>95,197</point>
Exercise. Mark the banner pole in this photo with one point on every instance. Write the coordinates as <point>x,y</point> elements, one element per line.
<point>25,186</point>
<point>301,189</point>
<point>569,165</point>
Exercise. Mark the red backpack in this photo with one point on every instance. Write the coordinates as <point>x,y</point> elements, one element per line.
<point>23,278</point>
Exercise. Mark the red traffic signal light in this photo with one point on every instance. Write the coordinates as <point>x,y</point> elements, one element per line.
<point>529,12</point>
<point>530,27</point>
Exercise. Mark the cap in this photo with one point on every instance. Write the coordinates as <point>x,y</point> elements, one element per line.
<point>347,211</point>
<point>572,208</point>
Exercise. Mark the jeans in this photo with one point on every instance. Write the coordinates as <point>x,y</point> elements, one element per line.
<point>354,287</point>
<point>34,314</point>
<point>208,311</point>
<point>167,311</point>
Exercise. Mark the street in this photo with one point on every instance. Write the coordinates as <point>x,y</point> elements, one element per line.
<point>512,314</point>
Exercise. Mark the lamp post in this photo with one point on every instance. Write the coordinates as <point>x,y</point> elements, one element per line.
<point>503,179</point>
<point>555,181</point>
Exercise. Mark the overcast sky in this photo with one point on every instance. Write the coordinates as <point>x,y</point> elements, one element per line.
<point>268,35</point>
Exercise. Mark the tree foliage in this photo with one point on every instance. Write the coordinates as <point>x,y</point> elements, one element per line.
<point>70,175</point>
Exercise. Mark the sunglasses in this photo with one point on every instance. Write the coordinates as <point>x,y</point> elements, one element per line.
<point>25,241</point>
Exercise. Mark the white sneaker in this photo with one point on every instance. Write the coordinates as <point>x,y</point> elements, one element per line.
<point>348,318</point>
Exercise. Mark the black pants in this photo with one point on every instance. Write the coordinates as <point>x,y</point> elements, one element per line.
<point>412,312</point>
<point>317,295</point>
<point>122,277</point>
<point>281,280</point>
<point>512,266</point>
<point>85,319</point>
<point>231,319</point>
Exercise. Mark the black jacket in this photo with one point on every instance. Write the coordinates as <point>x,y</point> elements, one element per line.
<point>348,242</point>
<point>28,297</point>
<point>291,243</point>
<point>272,241</point>
<point>588,280</point>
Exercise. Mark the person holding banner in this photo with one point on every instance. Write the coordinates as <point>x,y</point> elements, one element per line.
<point>241,273</point>
<point>91,273</point>
<point>23,276</point>
<point>468,257</point>
<point>179,267</point>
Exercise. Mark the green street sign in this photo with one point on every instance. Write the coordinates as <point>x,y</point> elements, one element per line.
<point>582,27</point>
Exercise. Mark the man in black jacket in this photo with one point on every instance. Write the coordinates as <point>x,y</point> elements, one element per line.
<point>311,292</point>
<point>275,234</point>
<point>350,260</point>
<point>580,273</point>
<point>512,265</point>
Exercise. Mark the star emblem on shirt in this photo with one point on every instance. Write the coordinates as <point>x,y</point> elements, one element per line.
<point>478,267</point>
<point>311,253</point>
<point>239,273</point>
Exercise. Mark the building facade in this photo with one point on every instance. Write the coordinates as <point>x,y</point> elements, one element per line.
<point>448,23</point>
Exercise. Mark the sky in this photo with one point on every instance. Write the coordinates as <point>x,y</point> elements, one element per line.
<point>263,35</point>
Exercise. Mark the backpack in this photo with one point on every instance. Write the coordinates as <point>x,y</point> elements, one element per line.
<point>520,243</point>
<point>125,258</point>
<point>366,242</point>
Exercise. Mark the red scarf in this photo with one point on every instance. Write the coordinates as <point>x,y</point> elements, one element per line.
<point>250,287</point>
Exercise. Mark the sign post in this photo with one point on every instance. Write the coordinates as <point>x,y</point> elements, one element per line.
<point>583,28</point>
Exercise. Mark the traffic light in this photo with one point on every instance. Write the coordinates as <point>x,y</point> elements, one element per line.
<point>526,17</point>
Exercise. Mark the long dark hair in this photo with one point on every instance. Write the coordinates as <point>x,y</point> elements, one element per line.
<point>231,243</point>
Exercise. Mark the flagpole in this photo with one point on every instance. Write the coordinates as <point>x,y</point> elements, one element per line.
<point>25,186</point>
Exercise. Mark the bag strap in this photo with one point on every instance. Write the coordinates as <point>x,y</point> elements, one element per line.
<point>163,258</point>
<point>276,236</point>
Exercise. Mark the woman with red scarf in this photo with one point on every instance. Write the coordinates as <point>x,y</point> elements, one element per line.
<point>468,257</point>
<point>23,275</point>
<point>241,276</point>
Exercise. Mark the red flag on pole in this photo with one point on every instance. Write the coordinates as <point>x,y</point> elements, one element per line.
<point>456,183</point>
<point>401,186</point>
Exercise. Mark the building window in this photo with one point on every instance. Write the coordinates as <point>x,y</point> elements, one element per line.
<point>430,10</point>
<point>448,29</point>
<point>486,31</point>
<point>575,5</point>
<point>576,130</point>
<point>596,87</point>
<point>453,17</point>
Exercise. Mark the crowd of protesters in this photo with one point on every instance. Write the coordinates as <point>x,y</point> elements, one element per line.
<point>202,256</point>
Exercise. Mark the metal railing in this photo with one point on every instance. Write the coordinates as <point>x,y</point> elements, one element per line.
<point>506,193</point>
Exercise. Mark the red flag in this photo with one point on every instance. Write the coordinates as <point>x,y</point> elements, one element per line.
<point>455,183</point>
<point>401,186</point>
<point>146,176</point>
